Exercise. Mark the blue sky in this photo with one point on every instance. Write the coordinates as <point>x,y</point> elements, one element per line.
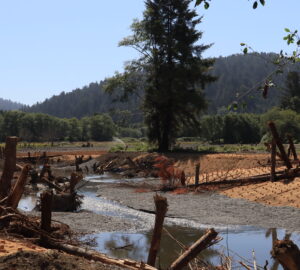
<point>52,46</point>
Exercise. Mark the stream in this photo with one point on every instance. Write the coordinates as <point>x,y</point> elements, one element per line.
<point>238,241</point>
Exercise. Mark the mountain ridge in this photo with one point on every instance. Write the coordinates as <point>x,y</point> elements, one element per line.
<point>236,75</point>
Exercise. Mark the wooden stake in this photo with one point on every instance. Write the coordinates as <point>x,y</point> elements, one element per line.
<point>17,192</point>
<point>46,209</point>
<point>9,165</point>
<point>194,250</point>
<point>273,160</point>
<point>75,179</point>
<point>292,147</point>
<point>161,206</point>
<point>197,172</point>
<point>280,145</point>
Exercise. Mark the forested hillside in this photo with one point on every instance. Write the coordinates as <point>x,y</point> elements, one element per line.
<point>7,105</point>
<point>236,75</point>
<point>87,101</point>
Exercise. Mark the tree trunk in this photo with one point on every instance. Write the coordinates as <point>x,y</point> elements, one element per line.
<point>9,165</point>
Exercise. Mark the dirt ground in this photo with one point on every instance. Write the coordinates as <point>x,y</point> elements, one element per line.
<point>19,254</point>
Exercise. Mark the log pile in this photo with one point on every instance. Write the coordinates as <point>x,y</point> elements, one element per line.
<point>127,166</point>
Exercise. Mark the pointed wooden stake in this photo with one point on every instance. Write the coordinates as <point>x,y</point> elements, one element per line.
<point>161,206</point>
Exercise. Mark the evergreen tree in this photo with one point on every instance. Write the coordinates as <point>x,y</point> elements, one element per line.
<point>175,72</point>
<point>291,97</point>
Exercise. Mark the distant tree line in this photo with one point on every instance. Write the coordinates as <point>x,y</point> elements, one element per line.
<point>7,105</point>
<point>38,127</point>
<point>229,128</point>
<point>248,128</point>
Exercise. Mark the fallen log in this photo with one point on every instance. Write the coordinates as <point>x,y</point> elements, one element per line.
<point>201,244</point>
<point>18,190</point>
<point>287,253</point>
<point>93,255</point>
<point>9,165</point>
<point>161,206</point>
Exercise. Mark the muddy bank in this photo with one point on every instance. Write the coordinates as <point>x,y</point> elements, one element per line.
<point>49,260</point>
<point>208,209</point>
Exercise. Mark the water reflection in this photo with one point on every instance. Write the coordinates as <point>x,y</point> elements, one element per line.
<point>240,243</point>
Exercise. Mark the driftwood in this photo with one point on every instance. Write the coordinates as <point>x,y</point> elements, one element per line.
<point>52,185</point>
<point>161,206</point>
<point>9,165</point>
<point>204,242</point>
<point>93,255</point>
<point>131,163</point>
<point>287,253</point>
<point>17,192</point>
<point>280,145</point>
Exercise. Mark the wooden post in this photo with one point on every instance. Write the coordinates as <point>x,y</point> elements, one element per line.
<point>287,253</point>
<point>273,160</point>
<point>9,165</point>
<point>17,192</point>
<point>161,206</point>
<point>292,147</point>
<point>197,172</point>
<point>75,179</point>
<point>194,250</point>
<point>280,145</point>
<point>46,209</point>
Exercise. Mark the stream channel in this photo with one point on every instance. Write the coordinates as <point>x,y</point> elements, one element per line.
<point>238,241</point>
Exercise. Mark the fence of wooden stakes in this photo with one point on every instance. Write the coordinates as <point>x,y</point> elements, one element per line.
<point>53,235</point>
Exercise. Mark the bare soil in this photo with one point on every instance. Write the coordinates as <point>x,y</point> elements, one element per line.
<point>23,255</point>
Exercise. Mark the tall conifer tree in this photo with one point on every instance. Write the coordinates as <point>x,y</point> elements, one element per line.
<point>176,74</point>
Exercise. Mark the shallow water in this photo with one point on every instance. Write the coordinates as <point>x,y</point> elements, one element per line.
<point>237,243</point>
<point>28,203</point>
